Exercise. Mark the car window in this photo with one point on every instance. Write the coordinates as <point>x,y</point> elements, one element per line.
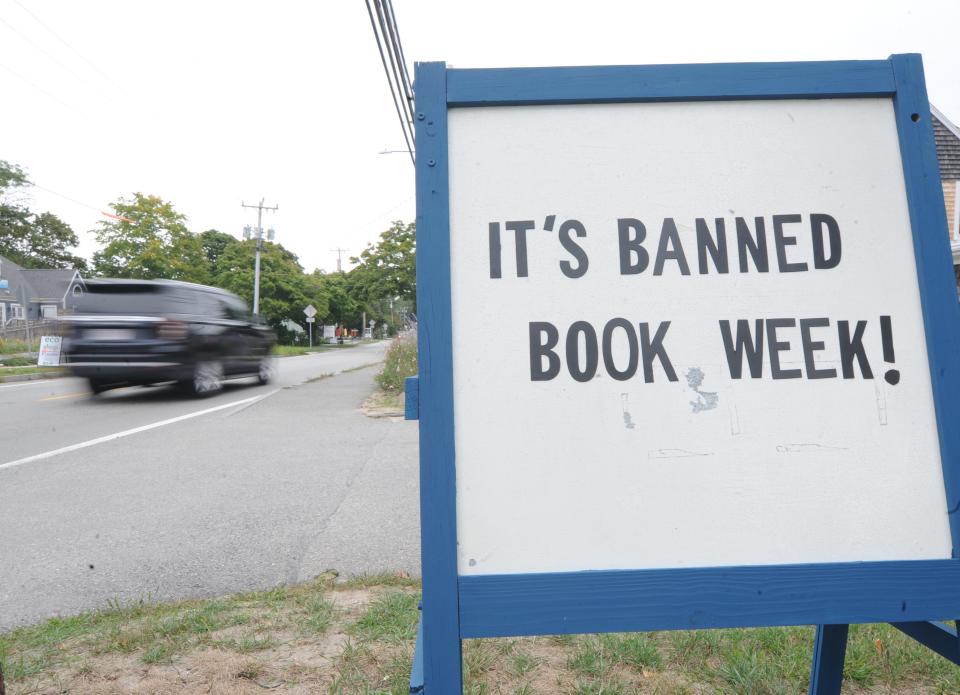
<point>236,308</point>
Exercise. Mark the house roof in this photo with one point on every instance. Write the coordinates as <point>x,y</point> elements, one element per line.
<point>40,284</point>
<point>947,136</point>
<point>49,285</point>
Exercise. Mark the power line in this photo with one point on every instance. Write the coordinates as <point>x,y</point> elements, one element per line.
<point>40,48</point>
<point>42,90</point>
<point>75,51</point>
<point>404,125</point>
<point>393,54</point>
<point>398,48</point>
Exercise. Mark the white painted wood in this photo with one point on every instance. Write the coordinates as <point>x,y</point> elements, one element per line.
<point>562,476</point>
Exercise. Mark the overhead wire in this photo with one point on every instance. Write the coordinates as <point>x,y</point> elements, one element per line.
<point>404,124</point>
<point>82,57</point>
<point>42,90</point>
<point>395,33</point>
<point>40,48</point>
<point>393,54</point>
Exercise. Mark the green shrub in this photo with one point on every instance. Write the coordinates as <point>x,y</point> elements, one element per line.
<point>18,362</point>
<point>401,362</point>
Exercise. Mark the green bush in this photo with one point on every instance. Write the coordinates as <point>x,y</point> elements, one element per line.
<point>401,362</point>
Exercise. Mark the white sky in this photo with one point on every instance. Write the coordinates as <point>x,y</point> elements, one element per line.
<point>208,104</point>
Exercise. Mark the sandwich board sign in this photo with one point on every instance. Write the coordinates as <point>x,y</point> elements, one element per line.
<point>725,380</point>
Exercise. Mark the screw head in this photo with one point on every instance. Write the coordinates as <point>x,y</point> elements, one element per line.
<point>420,116</point>
<point>431,163</point>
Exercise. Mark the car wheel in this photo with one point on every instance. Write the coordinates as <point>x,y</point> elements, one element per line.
<point>207,378</point>
<point>265,371</point>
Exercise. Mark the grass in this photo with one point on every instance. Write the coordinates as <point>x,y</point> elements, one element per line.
<point>19,371</point>
<point>12,347</point>
<point>296,350</point>
<point>356,638</point>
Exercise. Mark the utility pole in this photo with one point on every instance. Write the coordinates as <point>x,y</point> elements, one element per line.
<point>339,251</point>
<point>258,235</point>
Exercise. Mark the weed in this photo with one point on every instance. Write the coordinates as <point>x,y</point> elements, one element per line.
<point>637,650</point>
<point>392,617</point>
<point>521,663</point>
<point>399,363</point>
<point>319,615</point>
<point>250,670</point>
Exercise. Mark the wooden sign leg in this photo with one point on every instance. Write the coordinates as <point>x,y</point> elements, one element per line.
<point>829,652</point>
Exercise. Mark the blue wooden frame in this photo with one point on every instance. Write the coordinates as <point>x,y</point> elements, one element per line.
<point>831,595</point>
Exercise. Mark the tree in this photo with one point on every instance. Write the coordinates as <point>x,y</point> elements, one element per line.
<point>29,239</point>
<point>388,269</point>
<point>342,306</point>
<point>284,289</point>
<point>214,244</point>
<point>149,239</point>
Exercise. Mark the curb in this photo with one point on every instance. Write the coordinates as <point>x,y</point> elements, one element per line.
<point>31,377</point>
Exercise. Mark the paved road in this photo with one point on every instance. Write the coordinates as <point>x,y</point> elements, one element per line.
<point>258,486</point>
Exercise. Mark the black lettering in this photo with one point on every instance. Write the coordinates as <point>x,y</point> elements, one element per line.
<point>783,241</point>
<point>852,346</point>
<point>746,345</point>
<point>810,346</point>
<point>574,249</point>
<point>520,229</point>
<point>540,349</point>
<point>654,349</point>
<point>633,352</point>
<point>820,260</point>
<point>717,247</point>
<point>774,347</point>
<point>670,249</point>
<point>757,246</point>
<point>631,246</point>
<point>573,351</point>
<point>495,254</point>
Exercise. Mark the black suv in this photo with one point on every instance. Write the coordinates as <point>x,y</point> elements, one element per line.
<point>129,332</point>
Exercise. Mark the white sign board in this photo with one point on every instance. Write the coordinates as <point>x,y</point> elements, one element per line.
<point>311,319</point>
<point>666,394</point>
<point>310,311</point>
<point>49,351</point>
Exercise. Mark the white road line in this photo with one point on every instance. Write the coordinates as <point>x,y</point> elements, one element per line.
<point>31,382</point>
<point>127,433</point>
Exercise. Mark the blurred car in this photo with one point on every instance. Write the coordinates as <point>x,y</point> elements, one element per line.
<point>135,332</point>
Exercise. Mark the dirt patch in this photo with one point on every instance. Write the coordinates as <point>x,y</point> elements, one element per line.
<point>384,404</point>
<point>357,637</point>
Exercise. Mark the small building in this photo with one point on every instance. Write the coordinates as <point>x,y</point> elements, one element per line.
<point>947,136</point>
<point>34,294</point>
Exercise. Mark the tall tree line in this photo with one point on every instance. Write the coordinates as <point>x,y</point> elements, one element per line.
<point>147,238</point>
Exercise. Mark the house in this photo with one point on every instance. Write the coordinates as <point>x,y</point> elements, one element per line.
<point>947,136</point>
<point>36,294</point>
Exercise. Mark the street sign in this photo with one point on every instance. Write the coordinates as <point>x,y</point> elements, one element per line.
<point>311,319</point>
<point>712,382</point>
<point>310,311</point>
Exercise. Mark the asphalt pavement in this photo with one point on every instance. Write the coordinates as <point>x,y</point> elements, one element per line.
<point>143,494</point>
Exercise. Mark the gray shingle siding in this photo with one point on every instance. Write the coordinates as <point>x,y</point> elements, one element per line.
<point>948,150</point>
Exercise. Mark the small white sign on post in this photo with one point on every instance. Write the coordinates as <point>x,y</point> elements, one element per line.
<point>311,319</point>
<point>310,311</point>
<point>49,351</point>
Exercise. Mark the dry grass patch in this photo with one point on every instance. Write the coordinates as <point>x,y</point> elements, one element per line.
<point>356,637</point>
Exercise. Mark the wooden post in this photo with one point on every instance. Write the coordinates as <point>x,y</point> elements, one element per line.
<point>829,652</point>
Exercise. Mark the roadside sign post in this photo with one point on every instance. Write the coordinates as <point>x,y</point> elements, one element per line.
<point>311,312</point>
<point>49,351</point>
<point>726,381</point>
